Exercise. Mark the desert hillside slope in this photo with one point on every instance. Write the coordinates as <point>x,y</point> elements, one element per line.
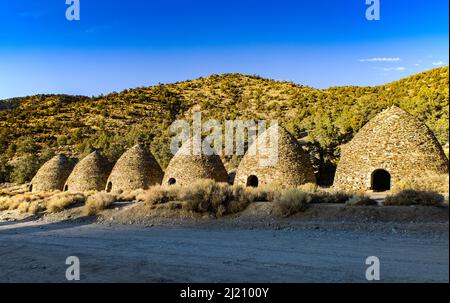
<point>33,128</point>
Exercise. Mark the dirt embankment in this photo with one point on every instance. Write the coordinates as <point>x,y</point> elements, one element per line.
<point>261,215</point>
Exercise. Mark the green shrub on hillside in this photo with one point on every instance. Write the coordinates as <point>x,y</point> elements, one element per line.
<point>25,169</point>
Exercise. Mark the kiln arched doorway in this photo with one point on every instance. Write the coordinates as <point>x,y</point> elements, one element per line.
<point>252,181</point>
<point>109,187</point>
<point>381,180</point>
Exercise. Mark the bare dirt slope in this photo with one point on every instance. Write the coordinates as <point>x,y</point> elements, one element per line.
<point>36,252</point>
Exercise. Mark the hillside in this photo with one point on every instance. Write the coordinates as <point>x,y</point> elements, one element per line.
<point>35,127</point>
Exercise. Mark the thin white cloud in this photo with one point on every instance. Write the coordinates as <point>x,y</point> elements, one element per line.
<point>438,63</point>
<point>399,68</point>
<point>383,59</point>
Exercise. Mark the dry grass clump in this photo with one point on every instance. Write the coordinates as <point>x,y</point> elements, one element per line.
<point>261,194</point>
<point>291,201</point>
<point>330,197</point>
<point>426,182</point>
<point>21,201</point>
<point>128,196</point>
<point>308,187</point>
<point>158,195</point>
<point>5,203</point>
<point>207,196</point>
<point>35,207</point>
<point>31,207</point>
<point>23,207</point>
<point>241,199</point>
<point>203,196</point>
<point>9,190</point>
<point>361,200</point>
<point>415,197</point>
<point>53,201</point>
<point>57,201</point>
<point>98,202</point>
<point>61,201</point>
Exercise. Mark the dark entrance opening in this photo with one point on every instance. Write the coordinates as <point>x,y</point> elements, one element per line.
<point>109,187</point>
<point>30,188</point>
<point>252,181</point>
<point>172,181</point>
<point>66,188</point>
<point>381,180</point>
<point>231,177</point>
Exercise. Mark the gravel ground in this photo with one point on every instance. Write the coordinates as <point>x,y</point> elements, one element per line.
<point>233,250</point>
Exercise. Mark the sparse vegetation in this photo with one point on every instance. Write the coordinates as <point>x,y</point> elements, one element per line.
<point>34,207</point>
<point>207,196</point>
<point>128,196</point>
<point>203,196</point>
<point>262,193</point>
<point>61,201</point>
<point>9,190</point>
<point>35,202</point>
<point>22,200</point>
<point>291,201</point>
<point>308,187</point>
<point>158,195</point>
<point>415,197</point>
<point>98,202</point>
<point>25,169</point>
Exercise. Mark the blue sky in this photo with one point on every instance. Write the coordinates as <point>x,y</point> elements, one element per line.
<point>125,44</point>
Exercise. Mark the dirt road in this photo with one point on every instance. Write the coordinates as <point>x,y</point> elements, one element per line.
<point>33,252</point>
